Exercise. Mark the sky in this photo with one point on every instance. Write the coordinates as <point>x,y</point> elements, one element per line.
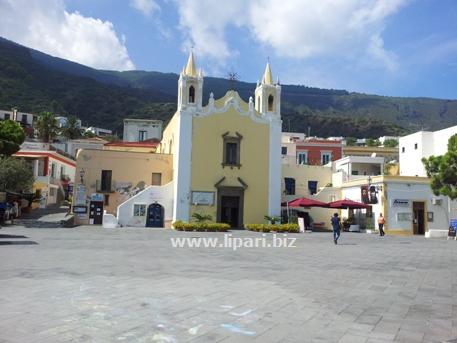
<point>385,47</point>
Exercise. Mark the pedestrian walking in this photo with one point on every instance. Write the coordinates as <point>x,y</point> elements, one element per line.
<point>381,222</point>
<point>336,225</point>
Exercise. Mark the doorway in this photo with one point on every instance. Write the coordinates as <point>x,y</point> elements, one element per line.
<point>230,206</point>
<point>155,216</point>
<point>96,212</point>
<point>419,218</point>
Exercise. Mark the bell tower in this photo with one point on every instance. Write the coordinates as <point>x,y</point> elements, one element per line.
<point>190,86</point>
<point>268,94</point>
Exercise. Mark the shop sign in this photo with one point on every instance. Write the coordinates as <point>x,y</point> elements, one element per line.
<point>401,202</point>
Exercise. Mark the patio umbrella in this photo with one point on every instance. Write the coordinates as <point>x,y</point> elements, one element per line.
<point>347,204</point>
<point>305,202</point>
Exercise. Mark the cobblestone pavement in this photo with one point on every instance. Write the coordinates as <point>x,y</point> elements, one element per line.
<point>130,285</point>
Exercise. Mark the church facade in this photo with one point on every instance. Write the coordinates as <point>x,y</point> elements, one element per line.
<point>222,159</point>
<point>226,155</point>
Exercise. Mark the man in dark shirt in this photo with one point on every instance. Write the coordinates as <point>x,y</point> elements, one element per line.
<point>336,228</point>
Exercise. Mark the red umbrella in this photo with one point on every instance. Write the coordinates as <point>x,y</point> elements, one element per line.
<point>305,202</point>
<point>347,204</point>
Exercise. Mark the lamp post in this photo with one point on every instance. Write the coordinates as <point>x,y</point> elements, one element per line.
<point>82,172</point>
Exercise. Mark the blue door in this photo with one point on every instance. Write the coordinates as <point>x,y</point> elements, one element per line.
<point>155,217</point>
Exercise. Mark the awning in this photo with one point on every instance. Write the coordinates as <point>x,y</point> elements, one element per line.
<point>304,202</point>
<point>347,204</point>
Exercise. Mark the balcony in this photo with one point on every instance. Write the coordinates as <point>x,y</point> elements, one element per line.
<point>102,186</point>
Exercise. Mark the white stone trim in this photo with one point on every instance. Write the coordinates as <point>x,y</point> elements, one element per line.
<point>182,160</point>
<point>235,102</point>
<point>274,175</point>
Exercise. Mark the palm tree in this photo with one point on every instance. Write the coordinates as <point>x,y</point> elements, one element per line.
<point>72,129</point>
<point>47,126</point>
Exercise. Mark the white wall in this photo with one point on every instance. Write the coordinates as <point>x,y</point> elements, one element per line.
<point>163,195</point>
<point>417,192</point>
<point>132,129</point>
<point>428,144</point>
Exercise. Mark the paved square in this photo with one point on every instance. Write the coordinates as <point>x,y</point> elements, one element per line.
<point>130,285</point>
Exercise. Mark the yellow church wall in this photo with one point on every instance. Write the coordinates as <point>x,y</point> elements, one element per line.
<point>207,158</point>
<point>167,145</point>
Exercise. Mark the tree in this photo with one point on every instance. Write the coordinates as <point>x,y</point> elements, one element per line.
<point>391,143</point>
<point>72,129</point>
<point>47,126</point>
<point>373,142</point>
<point>350,141</point>
<point>443,170</point>
<point>11,137</point>
<point>15,175</point>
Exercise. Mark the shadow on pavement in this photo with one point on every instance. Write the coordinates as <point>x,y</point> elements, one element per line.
<point>18,243</point>
<point>11,236</point>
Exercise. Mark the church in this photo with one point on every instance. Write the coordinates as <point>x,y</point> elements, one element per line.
<point>225,158</point>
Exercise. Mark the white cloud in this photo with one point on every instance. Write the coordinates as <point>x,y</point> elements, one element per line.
<point>147,7</point>
<point>294,28</point>
<point>45,25</point>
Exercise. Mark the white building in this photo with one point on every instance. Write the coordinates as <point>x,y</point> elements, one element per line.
<point>98,131</point>
<point>422,144</point>
<point>72,146</point>
<point>53,172</point>
<point>62,122</point>
<point>25,119</point>
<point>138,130</point>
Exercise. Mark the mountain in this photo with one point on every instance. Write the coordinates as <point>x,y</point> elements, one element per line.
<point>33,81</point>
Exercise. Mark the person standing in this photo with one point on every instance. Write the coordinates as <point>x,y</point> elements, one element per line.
<point>336,225</point>
<point>381,222</point>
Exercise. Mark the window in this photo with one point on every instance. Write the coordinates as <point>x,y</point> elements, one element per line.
<point>284,150</point>
<point>415,146</point>
<point>53,170</point>
<point>403,149</point>
<point>289,185</point>
<point>302,157</point>
<point>7,116</point>
<point>106,200</point>
<point>106,180</point>
<point>142,135</point>
<point>270,103</point>
<point>24,119</point>
<point>354,172</point>
<point>139,210</point>
<point>326,157</point>
<point>191,94</point>
<point>156,179</point>
<point>312,187</point>
<point>231,153</point>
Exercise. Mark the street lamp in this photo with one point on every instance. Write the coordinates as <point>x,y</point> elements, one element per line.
<point>82,172</point>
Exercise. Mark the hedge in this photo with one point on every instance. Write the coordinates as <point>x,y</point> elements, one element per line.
<point>201,227</point>
<point>279,228</point>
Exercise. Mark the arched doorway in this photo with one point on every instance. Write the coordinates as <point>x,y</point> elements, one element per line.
<point>155,216</point>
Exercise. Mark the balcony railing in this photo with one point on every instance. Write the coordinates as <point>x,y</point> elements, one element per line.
<point>105,187</point>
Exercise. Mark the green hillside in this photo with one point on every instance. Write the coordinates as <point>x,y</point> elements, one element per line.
<point>33,81</point>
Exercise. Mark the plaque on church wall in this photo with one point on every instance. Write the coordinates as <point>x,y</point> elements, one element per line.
<point>203,198</point>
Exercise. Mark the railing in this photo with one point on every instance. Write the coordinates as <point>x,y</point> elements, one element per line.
<point>105,187</point>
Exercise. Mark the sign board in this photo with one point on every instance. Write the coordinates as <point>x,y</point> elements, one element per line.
<point>97,197</point>
<point>203,198</point>
<point>79,209</point>
<point>80,195</point>
<point>401,202</point>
